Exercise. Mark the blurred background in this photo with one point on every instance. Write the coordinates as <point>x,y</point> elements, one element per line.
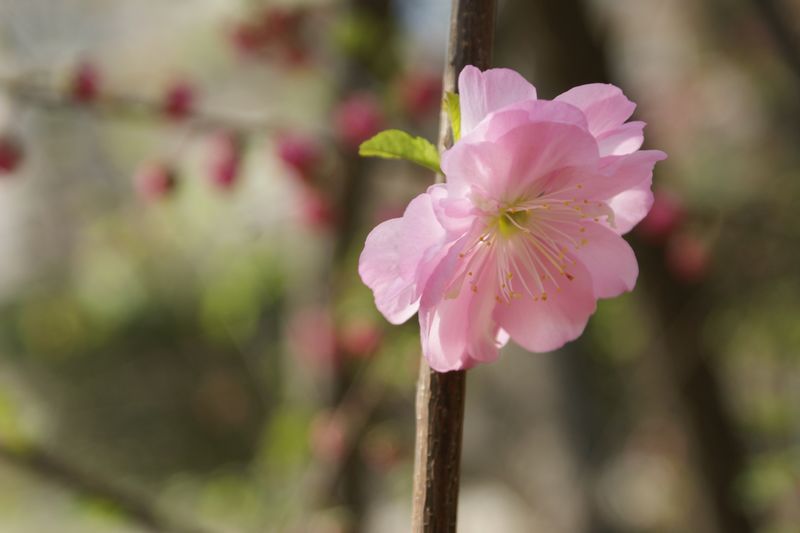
<point>185,345</point>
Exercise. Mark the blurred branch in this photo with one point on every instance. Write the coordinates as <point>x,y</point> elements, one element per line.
<point>785,38</point>
<point>138,508</point>
<point>128,107</point>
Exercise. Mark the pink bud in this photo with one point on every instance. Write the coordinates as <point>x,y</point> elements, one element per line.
<point>226,159</point>
<point>300,153</point>
<point>664,217</point>
<point>358,118</point>
<point>687,257</point>
<point>421,95</point>
<point>328,437</point>
<point>179,100</point>
<point>247,38</point>
<point>359,338</point>
<point>311,337</point>
<point>11,154</point>
<point>85,85</point>
<point>318,213</point>
<point>155,180</point>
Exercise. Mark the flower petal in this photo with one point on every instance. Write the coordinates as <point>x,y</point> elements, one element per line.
<point>459,332</point>
<point>398,256</point>
<point>624,140</point>
<point>604,105</point>
<point>547,324</point>
<point>630,207</point>
<point>613,176</point>
<point>484,92</point>
<point>609,259</point>
<point>509,167</point>
<point>498,123</point>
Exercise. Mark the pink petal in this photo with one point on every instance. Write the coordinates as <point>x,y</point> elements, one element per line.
<point>630,207</point>
<point>504,169</point>
<point>609,260</point>
<point>614,175</point>
<point>624,140</point>
<point>497,124</point>
<point>604,105</point>
<point>397,254</point>
<point>545,325</point>
<point>484,92</point>
<point>459,332</point>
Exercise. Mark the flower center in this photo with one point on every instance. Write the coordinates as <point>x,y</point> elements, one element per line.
<point>511,221</point>
<point>525,247</point>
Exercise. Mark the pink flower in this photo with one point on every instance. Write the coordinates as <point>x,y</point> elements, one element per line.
<point>525,235</point>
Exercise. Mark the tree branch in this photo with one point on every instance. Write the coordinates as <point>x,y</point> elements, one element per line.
<point>440,396</point>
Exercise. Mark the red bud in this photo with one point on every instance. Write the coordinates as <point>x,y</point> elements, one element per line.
<point>299,153</point>
<point>226,160</point>
<point>358,118</point>
<point>11,154</point>
<point>688,257</point>
<point>664,217</point>
<point>179,101</point>
<point>155,180</point>
<point>85,83</point>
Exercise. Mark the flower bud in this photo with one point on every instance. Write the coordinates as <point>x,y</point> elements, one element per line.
<point>179,101</point>
<point>155,181</point>
<point>299,153</point>
<point>11,154</point>
<point>687,257</point>
<point>226,159</point>
<point>311,337</point>
<point>359,338</point>
<point>317,211</point>
<point>664,217</point>
<point>421,95</point>
<point>85,84</point>
<point>246,38</point>
<point>358,118</point>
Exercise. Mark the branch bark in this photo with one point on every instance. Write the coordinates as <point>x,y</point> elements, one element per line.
<point>440,396</point>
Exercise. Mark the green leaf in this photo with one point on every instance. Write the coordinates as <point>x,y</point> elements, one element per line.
<point>396,144</point>
<point>452,103</point>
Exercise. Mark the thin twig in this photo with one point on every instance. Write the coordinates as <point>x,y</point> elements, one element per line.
<point>129,107</point>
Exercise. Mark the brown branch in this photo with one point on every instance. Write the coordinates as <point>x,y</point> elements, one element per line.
<point>440,396</point>
<point>135,506</point>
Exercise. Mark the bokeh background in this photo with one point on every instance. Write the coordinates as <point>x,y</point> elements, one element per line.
<point>184,341</point>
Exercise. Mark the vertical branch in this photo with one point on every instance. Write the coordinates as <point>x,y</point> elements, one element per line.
<point>440,396</point>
